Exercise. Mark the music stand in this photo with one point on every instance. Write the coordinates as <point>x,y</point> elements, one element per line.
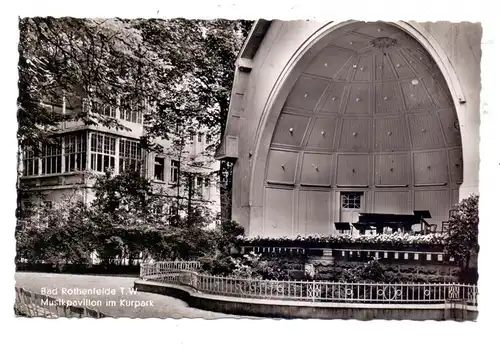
<point>423,214</point>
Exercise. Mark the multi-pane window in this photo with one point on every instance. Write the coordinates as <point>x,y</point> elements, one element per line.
<point>75,152</point>
<point>51,158</point>
<point>30,163</point>
<point>129,155</point>
<point>351,200</point>
<point>131,115</point>
<point>207,182</point>
<point>208,138</point>
<point>174,170</point>
<point>108,110</point>
<point>125,114</point>
<point>102,152</point>
<point>160,168</point>
<point>200,137</point>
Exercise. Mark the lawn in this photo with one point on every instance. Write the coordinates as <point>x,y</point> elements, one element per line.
<point>120,301</point>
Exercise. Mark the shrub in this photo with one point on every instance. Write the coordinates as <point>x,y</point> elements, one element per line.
<point>461,242</point>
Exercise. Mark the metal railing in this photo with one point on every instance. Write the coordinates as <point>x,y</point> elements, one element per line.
<point>311,291</point>
<point>32,304</point>
<point>156,270</point>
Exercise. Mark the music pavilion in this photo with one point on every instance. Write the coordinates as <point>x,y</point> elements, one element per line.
<point>337,123</point>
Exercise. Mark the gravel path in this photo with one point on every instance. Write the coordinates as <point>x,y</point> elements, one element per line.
<point>120,304</point>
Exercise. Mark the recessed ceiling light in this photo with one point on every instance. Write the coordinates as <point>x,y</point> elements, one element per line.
<point>414,82</point>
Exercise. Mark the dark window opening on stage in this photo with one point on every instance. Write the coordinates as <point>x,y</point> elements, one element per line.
<point>351,200</point>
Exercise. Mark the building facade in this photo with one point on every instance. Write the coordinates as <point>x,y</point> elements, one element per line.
<point>330,120</point>
<point>69,167</point>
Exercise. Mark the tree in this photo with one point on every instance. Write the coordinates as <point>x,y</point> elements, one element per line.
<point>461,240</point>
<point>125,209</point>
<point>58,235</point>
<point>178,72</point>
<point>202,100</point>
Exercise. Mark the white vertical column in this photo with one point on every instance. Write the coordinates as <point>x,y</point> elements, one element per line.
<point>117,155</point>
<point>63,162</point>
<point>87,152</point>
<point>39,159</point>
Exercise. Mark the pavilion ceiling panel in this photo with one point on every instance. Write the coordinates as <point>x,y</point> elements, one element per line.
<point>282,166</point>
<point>290,130</point>
<point>456,165</point>
<point>425,131</point>
<point>387,98</point>
<point>316,169</point>
<point>383,71</point>
<point>378,30</point>
<point>437,202</point>
<point>430,168</point>
<point>353,170</point>
<point>329,62</point>
<point>355,134</point>
<point>415,96</point>
<point>422,57</point>
<point>322,134</point>
<point>363,69</point>
<point>317,211</point>
<point>435,89</point>
<point>391,134</point>
<point>392,202</point>
<point>346,71</point>
<point>450,127</point>
<point>420,68</point>
<point>306,93</point>
<point>358,101</point>
<point>392,170</point>
<point>400,66</point>
<point>278,211</point>
<point>352,42</point>
<point>334,97</point>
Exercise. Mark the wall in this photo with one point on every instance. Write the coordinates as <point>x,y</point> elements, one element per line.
<point>262,93</point>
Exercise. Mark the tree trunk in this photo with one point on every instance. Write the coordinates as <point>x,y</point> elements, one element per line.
<point>226,169</point>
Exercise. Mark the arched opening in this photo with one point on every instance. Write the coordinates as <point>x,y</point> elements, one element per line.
<point>368,124</point>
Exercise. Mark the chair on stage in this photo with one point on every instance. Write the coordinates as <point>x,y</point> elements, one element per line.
<point>424,225</point>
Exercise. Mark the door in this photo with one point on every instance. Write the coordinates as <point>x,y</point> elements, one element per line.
<point>350,206</point>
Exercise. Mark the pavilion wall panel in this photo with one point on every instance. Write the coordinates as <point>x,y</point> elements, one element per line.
<point>437,202</point>
<point>355,134</point>
<point>391,202</point>
<point>278,214</point>
<point>353,170</point>
<point>282,166</point>
<point>283,135</point>
<point>430,168</point>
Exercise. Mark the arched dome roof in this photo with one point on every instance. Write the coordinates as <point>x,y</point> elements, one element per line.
<point>372,109</point>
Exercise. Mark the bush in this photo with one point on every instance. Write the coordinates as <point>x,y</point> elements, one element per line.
<point>461,242</point>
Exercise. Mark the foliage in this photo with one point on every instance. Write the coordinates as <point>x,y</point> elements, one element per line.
<point>57,235</point>
<point>120,223</point>
<point>461,242</point>
<point>253,266</point>
<point>393,239</point>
